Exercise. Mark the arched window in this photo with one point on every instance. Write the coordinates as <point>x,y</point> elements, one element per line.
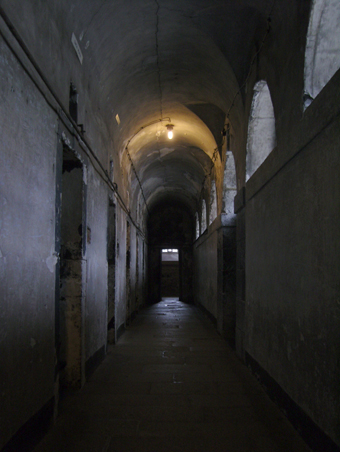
<point>203,217</point>
<point>229,184</point>
<point>261,128</point>
<point>213,203</point>
<point>197,225</point>
<point>322,57</point>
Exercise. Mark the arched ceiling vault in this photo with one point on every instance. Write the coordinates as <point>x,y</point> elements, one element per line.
<point>157,59</point>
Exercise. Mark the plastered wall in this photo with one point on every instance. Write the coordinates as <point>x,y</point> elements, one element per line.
<point>215,273</point>
<point>205,283</point>
<point>31,140</point>
<point>120,298</point>
<point>97,267</point>
<point>293,263</point>
<point>27,239</point>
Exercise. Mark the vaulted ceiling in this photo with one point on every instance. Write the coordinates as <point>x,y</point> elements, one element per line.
<point>155,62</point>
<point>178,62</point>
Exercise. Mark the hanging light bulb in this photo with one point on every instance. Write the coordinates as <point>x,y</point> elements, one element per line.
<point>170,131</point>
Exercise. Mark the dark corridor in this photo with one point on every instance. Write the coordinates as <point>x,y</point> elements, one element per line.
<point>171,384</point>
<point>211,127</point>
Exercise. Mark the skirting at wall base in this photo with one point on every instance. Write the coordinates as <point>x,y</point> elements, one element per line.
<point>207,314</point>
<point>120,331</point>
<point>317,440</point>
<point>29,435</point>
<point>93,362</point>
<point>131,318</point>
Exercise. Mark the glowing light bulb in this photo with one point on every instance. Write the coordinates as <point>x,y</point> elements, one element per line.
<point>170,131</point>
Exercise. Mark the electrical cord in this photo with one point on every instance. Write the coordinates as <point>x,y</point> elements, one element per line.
<point>157,61</point>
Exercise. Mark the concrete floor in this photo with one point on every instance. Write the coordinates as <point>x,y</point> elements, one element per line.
<point>171,384</point>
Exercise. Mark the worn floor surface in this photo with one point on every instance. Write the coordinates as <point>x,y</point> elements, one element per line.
<point>171,384</point>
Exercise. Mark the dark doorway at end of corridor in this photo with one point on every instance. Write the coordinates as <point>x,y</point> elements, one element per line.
<point>170,281</point>
<point>170,227</point>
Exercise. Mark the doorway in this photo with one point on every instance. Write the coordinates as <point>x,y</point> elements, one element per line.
<point>170,277</point>
<point>70,299</point>
<point>111,275</point>
<point>128,274</point>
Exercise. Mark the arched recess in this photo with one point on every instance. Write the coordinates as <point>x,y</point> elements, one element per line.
<point>229,184</point>
<point>322,57</point>
<point>261,128</point>
<point>197,225</point>
<point>212,203</point>
<point>203,217</point>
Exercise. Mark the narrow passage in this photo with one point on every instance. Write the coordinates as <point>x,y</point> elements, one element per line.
<point>171,384</point>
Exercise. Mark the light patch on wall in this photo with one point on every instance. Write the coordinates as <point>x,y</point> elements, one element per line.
<point>33,342</point>
<point>117,119</point>
<point>85,174</point>
<point>151,153</point>
<point>77,48</point>
<point>51,262</point>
